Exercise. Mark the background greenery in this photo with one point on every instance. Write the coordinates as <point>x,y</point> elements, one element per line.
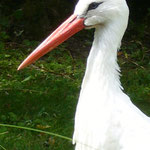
<point>44,95</point>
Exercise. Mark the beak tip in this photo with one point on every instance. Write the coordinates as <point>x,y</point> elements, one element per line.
<point>20,67</point>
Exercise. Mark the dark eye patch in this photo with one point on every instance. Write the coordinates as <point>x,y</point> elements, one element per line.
<point>94,5</point>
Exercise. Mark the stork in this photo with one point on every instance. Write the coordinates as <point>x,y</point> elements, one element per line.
<point>105,119</point>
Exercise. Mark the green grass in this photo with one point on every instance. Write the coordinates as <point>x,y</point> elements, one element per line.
<point>44,95</point>
<point>135,66</point>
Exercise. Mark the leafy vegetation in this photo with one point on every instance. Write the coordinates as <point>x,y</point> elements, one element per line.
<point>42,96</point>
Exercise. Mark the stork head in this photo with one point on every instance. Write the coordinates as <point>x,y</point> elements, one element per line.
<point>87,14</point>
<point>100,12</point>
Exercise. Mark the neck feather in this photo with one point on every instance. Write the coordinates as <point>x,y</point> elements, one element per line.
<point>102,71</point>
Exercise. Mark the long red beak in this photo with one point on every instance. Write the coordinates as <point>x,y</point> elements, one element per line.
<point>71,26</point>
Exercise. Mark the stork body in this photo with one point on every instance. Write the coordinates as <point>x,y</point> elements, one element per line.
<point>106,119</point>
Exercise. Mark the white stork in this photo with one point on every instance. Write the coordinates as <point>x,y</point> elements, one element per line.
<point>105,119</point>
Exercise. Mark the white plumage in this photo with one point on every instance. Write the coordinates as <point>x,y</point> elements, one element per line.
<point>105,117</point>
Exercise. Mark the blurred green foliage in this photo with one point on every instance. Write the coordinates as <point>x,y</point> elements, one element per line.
<point>43,96</point>
<point>35,19</point>
<point>32,18</point>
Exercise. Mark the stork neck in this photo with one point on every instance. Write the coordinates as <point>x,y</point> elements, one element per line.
<point>102,71</point>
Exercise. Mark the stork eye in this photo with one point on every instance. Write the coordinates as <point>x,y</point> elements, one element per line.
<point>94,5</point>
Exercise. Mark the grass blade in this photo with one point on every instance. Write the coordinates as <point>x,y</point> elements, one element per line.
<point>3,133</point>
<point>36,130</point>
<point>2,147</point>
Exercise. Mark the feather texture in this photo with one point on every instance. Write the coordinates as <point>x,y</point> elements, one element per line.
<point>106,119</point>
